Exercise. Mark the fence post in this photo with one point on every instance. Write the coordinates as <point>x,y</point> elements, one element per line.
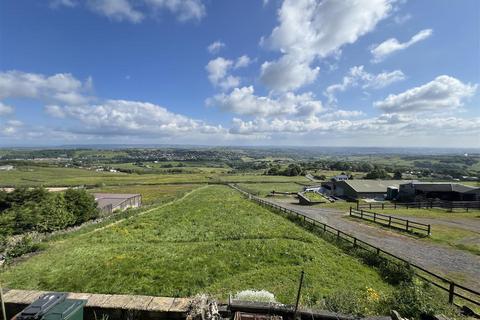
<point>324,227</point>
<point>429,233</point>
<point>338,234</point>
<point>406,226</point>
<point>361,213</point>
<point>350,211</point>
<point>374,217</point>
<point>451,292</point>
<point>370,205</point>
<point>358,204</point>
<point>389,221</point>
<point>354,242</point>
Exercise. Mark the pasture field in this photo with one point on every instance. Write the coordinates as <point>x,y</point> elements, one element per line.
<point>263,189</point>
<point>210,241</point>
<point>58,176</point>
<point>151,194</point>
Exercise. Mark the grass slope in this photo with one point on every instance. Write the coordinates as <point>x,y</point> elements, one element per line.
<point>211,241</point>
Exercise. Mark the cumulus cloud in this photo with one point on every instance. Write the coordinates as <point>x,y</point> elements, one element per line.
<point>215,47</point>
<point>10,127</point>
<point>123,117</point>
<point>310,29</point>
<point>61,87</point>
<point>243,101</point>
<point>135,11</point>
<point>357,76</point>
<point>386,48</point>
<point>443,93</point>
<point>118,10</point>
<point>219,69</point>
<point>5,109</point>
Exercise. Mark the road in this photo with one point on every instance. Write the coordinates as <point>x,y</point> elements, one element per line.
<point>460,266</point>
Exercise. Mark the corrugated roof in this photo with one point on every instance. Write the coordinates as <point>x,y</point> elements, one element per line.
<point>374,186</point>
<point>443,187</point>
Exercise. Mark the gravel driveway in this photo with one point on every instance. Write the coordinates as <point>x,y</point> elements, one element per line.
<point>461,266</point>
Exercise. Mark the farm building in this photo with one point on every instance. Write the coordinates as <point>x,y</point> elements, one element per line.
<point>419,191</point>
<point>355,189</point>
<point>109,202</point>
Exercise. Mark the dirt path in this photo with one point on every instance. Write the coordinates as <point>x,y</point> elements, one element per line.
<point>460,266</point>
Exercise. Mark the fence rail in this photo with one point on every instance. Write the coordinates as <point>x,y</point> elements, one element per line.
<point>422,204</point>
<point>391,222</point>
<point>453,289</point>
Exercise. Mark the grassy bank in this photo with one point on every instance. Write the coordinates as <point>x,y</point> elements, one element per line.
<point>213,241</point>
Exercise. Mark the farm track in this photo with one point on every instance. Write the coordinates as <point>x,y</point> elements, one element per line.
<point>462,267</point>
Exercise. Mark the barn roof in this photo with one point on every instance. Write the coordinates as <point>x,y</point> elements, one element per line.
<point>373,186</point>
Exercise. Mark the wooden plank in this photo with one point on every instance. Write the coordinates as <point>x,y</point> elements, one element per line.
<point>160,304</point>
<point>97,300</point>
<point>180,305</point>
<point>139,303</point>
<point>117,301</point>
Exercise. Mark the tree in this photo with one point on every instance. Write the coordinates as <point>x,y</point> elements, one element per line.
<point>53,214</point>
<point>397,175</point>
<point>81,204</point>
<point>377,174</point>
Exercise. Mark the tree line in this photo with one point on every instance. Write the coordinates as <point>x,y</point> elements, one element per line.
<point>37,209</point>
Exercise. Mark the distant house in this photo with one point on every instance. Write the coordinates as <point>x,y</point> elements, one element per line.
<point>420,191</point>
<point>340,177</point>
<point>365,189</point>
<point>109,202</point>
<point>6,168</point>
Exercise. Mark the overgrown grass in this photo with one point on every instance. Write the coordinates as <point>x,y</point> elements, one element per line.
<point>213,241</point>
<point>151,194</point>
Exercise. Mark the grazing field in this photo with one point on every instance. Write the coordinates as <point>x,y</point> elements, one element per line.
<point>58,176</point>
<point>211,241</point>
<point>151,194</point>
<point>263,189</point>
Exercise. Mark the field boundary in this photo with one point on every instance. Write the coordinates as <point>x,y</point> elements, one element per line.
<point>442,204</point>
<point>391,221</point>
<point>453,289</point>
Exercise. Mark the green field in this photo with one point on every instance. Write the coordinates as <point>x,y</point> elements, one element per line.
<point>58,176</point>
<point>211,241</point>
<point>151,194</point>
<point>263,189</point>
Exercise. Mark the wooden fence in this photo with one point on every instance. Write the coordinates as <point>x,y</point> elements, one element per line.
<point>422,204</point>
<point>453,289</point>
<point>391,222</point>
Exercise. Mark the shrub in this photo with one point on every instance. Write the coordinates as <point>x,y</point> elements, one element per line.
<point>26,245</point>
<point>81,204</point>
<point>396,273</point>
<point>256,296</point>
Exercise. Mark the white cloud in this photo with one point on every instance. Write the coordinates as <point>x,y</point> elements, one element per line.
<point>443,93</point>
<point>123,117</point>
<point>310,29</point>
<point>375,130</point>
<point>136,10</point>
<point>10,127</point>
<point>357,76</point>
<point>118,10</point>
<point>392,45</point>
<point>215,47</point>
<point>66,3</point>
<point>61,87</point>
<point>243,62</point>
<point>184,9</point>
<point>401,19</point>
<point>218,72</point>
<point>243,101</point>
<point>5,109</point>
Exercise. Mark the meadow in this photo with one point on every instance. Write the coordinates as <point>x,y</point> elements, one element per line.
<point>264,189</point>
<point>59,176</point>
<point>210,241</point>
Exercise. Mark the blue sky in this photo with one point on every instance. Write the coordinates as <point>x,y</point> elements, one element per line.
<point>253,72</point>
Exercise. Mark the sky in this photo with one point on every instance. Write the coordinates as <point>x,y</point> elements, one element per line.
<point>252,72</point>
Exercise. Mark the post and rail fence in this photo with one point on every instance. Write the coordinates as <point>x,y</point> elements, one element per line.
<point>453,289</point>
<point>392,222</point>
<point>450,205</point>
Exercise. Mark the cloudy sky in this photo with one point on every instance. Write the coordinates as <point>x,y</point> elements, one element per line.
<point>249,72</point>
